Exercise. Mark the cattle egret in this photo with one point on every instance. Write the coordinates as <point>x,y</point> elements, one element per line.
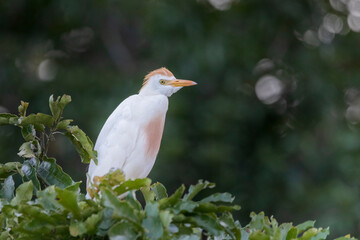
<point>130,138</point>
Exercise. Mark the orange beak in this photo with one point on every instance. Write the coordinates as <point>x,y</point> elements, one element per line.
<point>181,83</point>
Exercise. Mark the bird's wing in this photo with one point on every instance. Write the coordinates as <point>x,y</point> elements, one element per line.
<point>122,112</point>
<point>117,139</point>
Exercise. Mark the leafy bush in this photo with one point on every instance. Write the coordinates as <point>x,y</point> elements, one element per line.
<point>49,204</point>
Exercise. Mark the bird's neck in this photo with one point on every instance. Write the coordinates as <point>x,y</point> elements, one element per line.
<point>148,91</point>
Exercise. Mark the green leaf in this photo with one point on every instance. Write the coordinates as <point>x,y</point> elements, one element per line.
<point>195,189</point>
<point>184,206</point>
<point>292,233</point>
<point>54,108</point>
<point>258,235</point>
<point>7,189</point>
<point>133,202</point>
<point>9,168</point>
<point>188,236</point>
<point>7,118</point>
<point>130,185</point>
<point>35,213</point>
<point>63,124</point>
<point>75,187</point>
<point>57,106</point>
<point>111,179</point>
<point>68,200</point>
<point>347,237</point>
<point>121,209</point>
<point>219,197</point>
<point>106,222</point>
<point>52,174</point>
<point>92,222</point>
<point>304,226</point>
<point>36,119</point>
<point>28,132</point>
<point>257,220</point>
<point>159,190</point>
<point>39,127</point>
<point>148,194</point>
<point>26,151</point>
<point>210,207</point>
<point>22,108</point>
<point>228,222</point>
<point>47,199</point>
<point>77,228</point>
<point>322,234</point>
<point>29,170</point>
<point>65,99</point>
<point>24,193</point>
<point>122,231</point>
<point>315,234</point>
<point>5,235</point>
<point>207,222</point>
<point>29,149</point>
<point>152,221</point>
<point>166,218</point>
<point>82,143</point>
<point>284,229</point>
<point>173,199</point>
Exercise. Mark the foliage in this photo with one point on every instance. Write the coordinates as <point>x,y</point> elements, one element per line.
<point>49,204</point>
<point>64,214</point>
<point>38,130</point>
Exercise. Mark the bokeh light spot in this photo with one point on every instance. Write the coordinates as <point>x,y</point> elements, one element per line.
<point>353,114</point>
<point>264,65</point>
<point>310,37</point>
<point>324,35</point>
<point>47,70</point>
<point>269,89</point>
<point>221,4</point>
<point>338,5</point>
<point>352,98</point>
<point>354,7</point>
<point>354,22</point>
<point>333,23</point>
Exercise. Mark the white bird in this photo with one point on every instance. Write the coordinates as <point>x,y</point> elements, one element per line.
<point>130,138</point>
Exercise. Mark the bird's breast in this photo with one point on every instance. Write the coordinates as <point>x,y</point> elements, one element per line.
<point>153,133</point>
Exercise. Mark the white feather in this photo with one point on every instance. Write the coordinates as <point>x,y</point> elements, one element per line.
<point>130,138</point>
<point>121,143</point>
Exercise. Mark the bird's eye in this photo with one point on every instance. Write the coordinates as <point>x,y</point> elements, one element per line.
<point>162,81</point>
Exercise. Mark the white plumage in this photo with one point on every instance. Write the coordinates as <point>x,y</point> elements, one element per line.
<point>130,138</point>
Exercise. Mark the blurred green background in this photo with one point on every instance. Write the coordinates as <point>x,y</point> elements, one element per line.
<point>272,120</point>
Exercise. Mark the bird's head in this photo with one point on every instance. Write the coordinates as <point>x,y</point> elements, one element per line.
<point>162,81</point>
